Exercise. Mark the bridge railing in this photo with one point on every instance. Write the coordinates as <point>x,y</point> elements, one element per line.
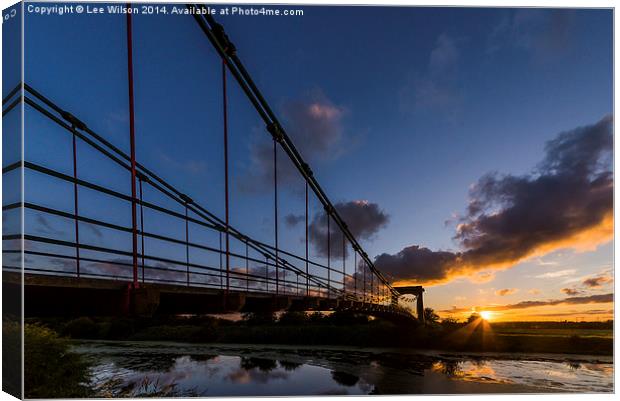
<point>165,255</point>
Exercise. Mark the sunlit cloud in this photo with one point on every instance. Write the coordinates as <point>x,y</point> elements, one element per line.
<point>541,262</point>
<point>506,291</point>
<point>556,274</point>
<point>512,218</point>
<point>571,291</point>
<point>597,282</point>
<point>482,277</point>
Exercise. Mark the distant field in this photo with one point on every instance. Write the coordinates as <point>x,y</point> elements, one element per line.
<point>601,333</point>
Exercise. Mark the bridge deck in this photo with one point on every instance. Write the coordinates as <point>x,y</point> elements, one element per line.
<point>55,295</point>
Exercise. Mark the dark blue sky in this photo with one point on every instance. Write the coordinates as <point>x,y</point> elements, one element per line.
<point>416,103</point>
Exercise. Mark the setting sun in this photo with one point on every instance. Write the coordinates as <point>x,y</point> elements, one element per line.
<point>486,315</point>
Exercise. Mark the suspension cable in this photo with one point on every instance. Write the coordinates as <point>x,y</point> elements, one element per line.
<point>215,33</point>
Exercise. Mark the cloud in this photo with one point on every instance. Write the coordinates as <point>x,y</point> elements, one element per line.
<point>66,265</point>
<point>506,291</point>
<point>571,291</point>
<point>603,298</point>
<point>556,274</point>
<point>418,264</point>
<point>545,34</point>
<point>116,267</point>
<point>566,202</point>
<point>534,291</point>
<point>364,220</point>
<point>314,124</point>
<point>292,220</point>
<point>257,275</point>
<point>547,263</point>
<point>437,88</point>
<point>444,56</point>
<point>95,230</point>
<point>597,282</point>
<point>482,277</point>
<point>44,226</point>
<point>246,375</point>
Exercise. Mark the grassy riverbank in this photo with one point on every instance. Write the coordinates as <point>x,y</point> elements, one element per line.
<point>347,329</point>
<point>50,369</point>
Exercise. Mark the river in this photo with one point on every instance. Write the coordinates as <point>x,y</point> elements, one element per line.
<point>137,369</point>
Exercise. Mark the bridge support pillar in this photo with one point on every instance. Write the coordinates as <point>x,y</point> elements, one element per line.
<point>418,291</point>
<point>345,304</point>
<point>304,304</point>
<point>144,301</point>
<point>328,304</point>
<point>420,307</point>
<point>283,302</point>
<point>233,302</point>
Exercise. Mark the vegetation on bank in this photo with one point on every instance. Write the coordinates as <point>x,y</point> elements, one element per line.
<point>11,358</point>
<point>476,334</point>
<point>50,369</point>
<point>341,328</point>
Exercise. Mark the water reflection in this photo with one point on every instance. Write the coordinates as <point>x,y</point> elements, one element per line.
<point>289,366</point>
<point>168,369</point>
<point>247,373</point>
<point>264,365</point>
<point>344,378</point>
<point>554,376</point>
<point>474,370</point>
<point>130,375</point>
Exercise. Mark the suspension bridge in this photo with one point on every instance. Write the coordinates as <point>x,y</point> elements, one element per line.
<point>241,272</point>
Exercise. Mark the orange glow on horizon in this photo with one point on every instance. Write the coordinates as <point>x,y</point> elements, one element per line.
<point>586,312</point>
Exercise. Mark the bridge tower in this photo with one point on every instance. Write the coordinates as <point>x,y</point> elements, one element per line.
<point>416,290</point>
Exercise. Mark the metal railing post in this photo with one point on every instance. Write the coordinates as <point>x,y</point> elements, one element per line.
<point>132,145</point>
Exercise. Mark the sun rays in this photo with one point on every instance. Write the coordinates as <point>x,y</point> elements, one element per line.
<point>477,332</point>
